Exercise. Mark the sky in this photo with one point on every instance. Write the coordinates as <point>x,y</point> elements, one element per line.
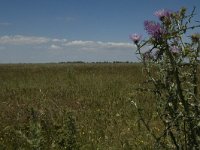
<point>45,31</point>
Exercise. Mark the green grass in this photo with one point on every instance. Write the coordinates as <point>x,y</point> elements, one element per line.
<point>36,98</point>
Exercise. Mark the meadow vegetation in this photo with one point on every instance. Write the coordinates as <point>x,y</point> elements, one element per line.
<point>72,106</point>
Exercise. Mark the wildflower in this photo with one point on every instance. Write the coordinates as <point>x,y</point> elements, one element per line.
<point>182,12</point>
<point>175,49</point>
<point>117,115</point>
<point>154,29</point>
<point>135,38</point>
<point>170,104</point>
<point>162,14</point>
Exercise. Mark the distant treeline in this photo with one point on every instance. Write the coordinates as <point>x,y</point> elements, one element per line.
<point>103,62</point>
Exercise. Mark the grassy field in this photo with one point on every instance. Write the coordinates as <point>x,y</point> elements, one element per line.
<point>71,106</point>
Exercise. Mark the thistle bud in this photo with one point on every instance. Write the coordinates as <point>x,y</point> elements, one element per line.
<point>195,37</point>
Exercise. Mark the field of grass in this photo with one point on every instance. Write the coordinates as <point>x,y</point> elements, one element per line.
<point>71,106</point>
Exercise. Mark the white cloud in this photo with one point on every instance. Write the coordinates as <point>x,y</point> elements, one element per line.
<point>19,48</point>
<point>23,40</point>
<point>98,44</point>
<point>55,47</point>
<point>59,40</point>
<point>79,43</point>
<point>59,43</point>
<point>115,44</point>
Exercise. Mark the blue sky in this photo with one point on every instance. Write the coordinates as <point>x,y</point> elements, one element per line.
<point>37,31</point>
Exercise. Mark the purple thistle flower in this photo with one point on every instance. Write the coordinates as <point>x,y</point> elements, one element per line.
<point>154,29</point>
<point>135,38</point>
<point>161,14</point>
<point>175,49</point>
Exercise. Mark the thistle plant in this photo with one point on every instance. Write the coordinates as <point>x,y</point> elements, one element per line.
<point>67,133</point>
<point>170,57</point>
<point>33,137</point>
